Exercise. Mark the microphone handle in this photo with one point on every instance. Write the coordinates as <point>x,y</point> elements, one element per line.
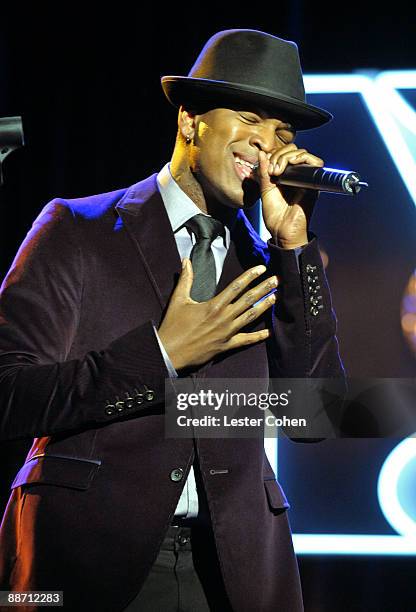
<point>345,182</point>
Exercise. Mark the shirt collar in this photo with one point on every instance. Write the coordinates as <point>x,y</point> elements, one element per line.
<point>179,206</point>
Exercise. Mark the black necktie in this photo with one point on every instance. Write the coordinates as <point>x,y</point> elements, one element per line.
<point>206,229</point>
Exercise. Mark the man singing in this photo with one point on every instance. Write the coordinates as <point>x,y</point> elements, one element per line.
<point>112,294</point>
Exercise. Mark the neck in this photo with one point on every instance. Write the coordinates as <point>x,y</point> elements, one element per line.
<point>184,177</point>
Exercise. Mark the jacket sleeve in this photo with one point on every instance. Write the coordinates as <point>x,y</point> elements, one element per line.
<point>304,345</point>
<point>41,391</point>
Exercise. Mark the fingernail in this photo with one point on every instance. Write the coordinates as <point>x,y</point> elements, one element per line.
<point>260,269</point>
<point>184,263</point>
<point>271,167</point>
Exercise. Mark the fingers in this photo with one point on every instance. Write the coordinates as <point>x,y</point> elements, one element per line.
<point>290,154</point>
<point>234,289</point>
<point>184,286</point>
<point>252,313</point>
<point>263,175</point>
<point>247,339</point>
<point>252,296</point>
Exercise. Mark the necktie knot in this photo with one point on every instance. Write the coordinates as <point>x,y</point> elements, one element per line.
<point>205,227</point>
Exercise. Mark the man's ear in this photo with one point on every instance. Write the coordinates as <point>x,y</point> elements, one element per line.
<point>186,123</point>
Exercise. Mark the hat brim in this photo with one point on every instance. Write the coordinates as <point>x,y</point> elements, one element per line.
<point>202,92</point>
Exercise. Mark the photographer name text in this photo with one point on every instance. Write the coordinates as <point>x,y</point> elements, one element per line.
<point>227,421</point>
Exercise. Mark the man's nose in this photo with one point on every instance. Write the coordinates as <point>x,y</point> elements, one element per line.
<point>264,138</point>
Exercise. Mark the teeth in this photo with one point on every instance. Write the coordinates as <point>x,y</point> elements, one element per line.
<point>245,163</point>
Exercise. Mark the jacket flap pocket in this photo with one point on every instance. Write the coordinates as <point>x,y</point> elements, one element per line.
<point>275,495</point>
<point>57,470</point>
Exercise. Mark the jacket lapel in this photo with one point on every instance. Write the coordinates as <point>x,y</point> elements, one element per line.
<point>145,218</point>
<point>246,250</point>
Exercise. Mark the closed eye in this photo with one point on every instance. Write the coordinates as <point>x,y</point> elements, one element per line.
<point>283,133</point>
<point>285,140</point>
<point>287,136</point>
<point>250,119</point>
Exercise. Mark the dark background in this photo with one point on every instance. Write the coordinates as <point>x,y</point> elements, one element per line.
<point>87,84</point>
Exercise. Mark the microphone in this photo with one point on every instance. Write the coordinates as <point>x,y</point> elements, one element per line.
<point>344,182</point>
<point>11,138</point>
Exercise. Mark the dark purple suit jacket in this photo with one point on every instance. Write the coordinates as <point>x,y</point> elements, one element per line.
<point>91,505</point>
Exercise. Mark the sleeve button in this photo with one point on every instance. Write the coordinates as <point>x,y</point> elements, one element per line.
<point>149,395</point>
<point>129,401</point>
<point>110,409</point>
<point>119,406</point>
<point>315,299</point>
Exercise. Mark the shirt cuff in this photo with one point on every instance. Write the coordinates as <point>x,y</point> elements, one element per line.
<point>298,251</point>
<point>172,372</point>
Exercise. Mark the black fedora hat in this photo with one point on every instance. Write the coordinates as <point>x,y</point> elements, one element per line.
<point>248,66</point>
